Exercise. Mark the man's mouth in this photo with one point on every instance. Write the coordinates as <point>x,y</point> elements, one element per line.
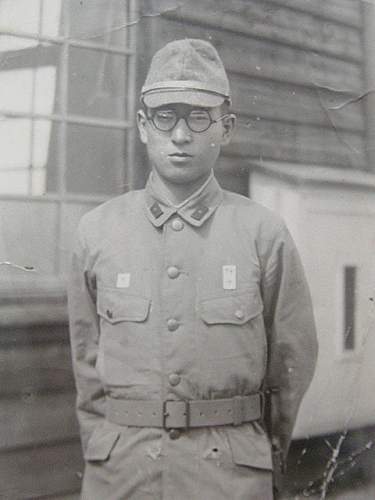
<point>180,155</point>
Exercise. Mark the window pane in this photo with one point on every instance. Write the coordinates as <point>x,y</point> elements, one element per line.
<point>96,83</point>
<point>46,154</point>
<point>38,181</point>
<point>20,15</point>
<point>15,143</point>
<point>349,307</point>
<point>97,20</point>
<point>16,90</point>
<point>46,54</point>
<point>45,88</point>
<point>29,151</point>
<point>20,87</point>
<point>8,43</point>
<point>95,160</point>
<point>41,143</point>
<point>51,17</point>
<point>15,182</point>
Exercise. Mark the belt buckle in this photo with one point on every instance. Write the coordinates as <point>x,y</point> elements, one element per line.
<point>166,413</point>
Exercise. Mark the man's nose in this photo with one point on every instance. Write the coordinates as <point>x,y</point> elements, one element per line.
<point>181,132</point>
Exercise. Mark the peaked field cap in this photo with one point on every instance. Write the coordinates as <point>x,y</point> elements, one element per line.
<point>187,71</point>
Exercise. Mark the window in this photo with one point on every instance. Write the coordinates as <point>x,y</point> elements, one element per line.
<point>349,310</point>
<point>27,89</point>
<point>65,96</point>
<point>67,106</point>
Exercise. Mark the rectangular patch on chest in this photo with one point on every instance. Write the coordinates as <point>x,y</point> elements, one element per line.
<point>229,277</point>
<point>123,280</point>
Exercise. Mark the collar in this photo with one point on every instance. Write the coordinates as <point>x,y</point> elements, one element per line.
<point>195,210</point>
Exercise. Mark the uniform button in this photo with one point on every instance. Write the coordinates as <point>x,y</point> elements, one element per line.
<point>174,434</point>
<point>172,324</point>
<point>177,224</point>
<point>239,314</point>
<point>173,272</point>
<point>174,379</point>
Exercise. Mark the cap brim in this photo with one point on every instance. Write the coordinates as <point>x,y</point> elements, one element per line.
<point>192,97</point>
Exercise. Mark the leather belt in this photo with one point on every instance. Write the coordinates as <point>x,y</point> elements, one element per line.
<point>180,414</point>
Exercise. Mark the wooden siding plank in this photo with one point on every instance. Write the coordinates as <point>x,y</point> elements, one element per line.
<point>63,497</point>
<point>273,22</point>
<point>35,419</point>
<point>42,356</point>
<point>37,369</point>
<point>32,335</point>
<point>72,496</point>
<point>346,12</point>
<point>26,314</point>
<point>233,174</point>
<point>29,304</point>
<point>32,380</point>
<point>293,103</point>
<point>267,60</point>
<point>41,471</point>
<point>302,144</point>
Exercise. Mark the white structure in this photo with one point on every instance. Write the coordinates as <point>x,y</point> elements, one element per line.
<point>331,215</point>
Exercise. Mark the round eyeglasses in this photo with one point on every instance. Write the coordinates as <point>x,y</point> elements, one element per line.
<point>197,120</point>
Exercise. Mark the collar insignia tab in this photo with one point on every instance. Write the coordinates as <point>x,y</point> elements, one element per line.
<point>156,210</point>
<point>200,212</point>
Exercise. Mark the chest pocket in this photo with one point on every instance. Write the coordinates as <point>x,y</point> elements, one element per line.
<point>232,309</point>
<point>124,333</point>
<point>233,327</point>
<point>115,306</point>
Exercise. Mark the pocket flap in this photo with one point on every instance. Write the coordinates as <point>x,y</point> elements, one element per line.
<point>114,306</point>
<point>234,309</point>
<point>101,443</point>
<point>251,447</point>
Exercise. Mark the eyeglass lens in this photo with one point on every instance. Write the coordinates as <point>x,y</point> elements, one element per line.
<point>196,120</point>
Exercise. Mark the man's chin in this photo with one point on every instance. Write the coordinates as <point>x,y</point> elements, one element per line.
<point>182,174</point>
<point>186,175</point>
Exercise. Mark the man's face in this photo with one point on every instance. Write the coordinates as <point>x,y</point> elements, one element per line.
<point>183,156</point>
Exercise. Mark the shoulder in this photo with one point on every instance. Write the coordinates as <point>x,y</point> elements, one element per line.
<point>253,214</point>
<point>109,213</point>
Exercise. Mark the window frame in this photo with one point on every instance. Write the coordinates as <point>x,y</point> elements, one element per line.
<point>343,353</point>
<point>64,118</point>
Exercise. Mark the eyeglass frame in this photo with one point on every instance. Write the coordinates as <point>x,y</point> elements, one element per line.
<point>184,117</point>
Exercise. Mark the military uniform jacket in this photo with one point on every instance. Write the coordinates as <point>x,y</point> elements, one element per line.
<point>206,300</point>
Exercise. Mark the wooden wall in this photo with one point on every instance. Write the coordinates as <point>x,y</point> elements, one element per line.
<point>296,70</point>
<point>40,452</point>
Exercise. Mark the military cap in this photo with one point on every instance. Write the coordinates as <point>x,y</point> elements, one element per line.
<point>186,71</point>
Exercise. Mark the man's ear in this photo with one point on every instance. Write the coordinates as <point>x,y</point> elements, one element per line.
<point>229,123</point>
<point>142,123</point>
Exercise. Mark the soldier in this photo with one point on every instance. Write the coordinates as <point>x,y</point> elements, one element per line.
<point>192,329</point>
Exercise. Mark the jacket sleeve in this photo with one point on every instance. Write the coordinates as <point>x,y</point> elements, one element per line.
<point>291,334</point>
<point>84,336</point>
